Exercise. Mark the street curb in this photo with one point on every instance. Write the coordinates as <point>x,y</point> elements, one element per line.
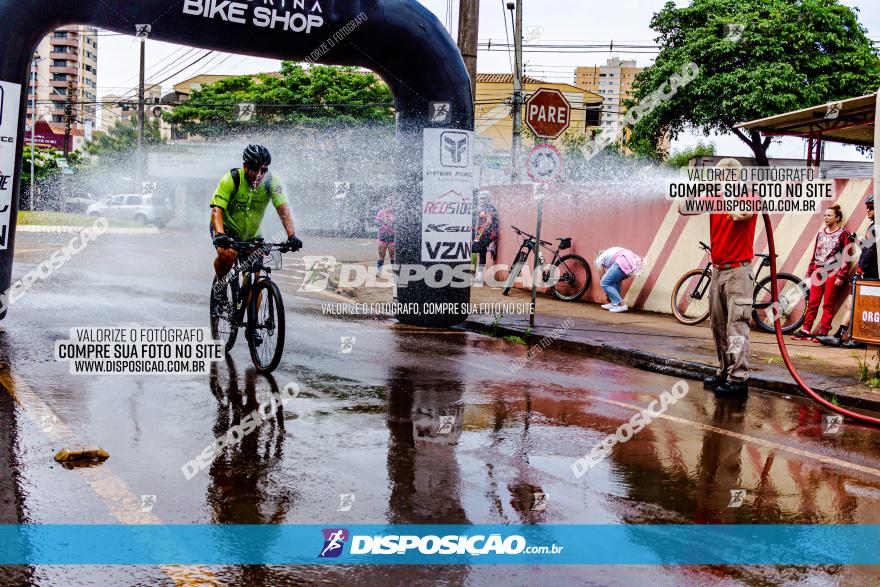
<point>73,229</point>
<point>664,365</point>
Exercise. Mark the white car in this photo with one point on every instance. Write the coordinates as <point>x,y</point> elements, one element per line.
<point>134,207</point>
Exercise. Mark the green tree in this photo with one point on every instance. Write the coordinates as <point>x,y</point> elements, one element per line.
<point>683,157</point>
<point>293,97</point>
<point>45,164</point>
<point>790,54</point>
<point>122,139</point>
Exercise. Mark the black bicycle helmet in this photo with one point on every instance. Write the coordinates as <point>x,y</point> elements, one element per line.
<point>256,156</point>
<point>870,200</point>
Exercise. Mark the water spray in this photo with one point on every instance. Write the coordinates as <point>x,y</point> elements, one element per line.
<point>774,288</point>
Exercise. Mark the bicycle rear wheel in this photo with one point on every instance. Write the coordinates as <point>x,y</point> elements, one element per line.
<point>574,278</point>
<point>690,297</point>
<point>223,324</point>
<point>266,326</point>
<point>792,303</point>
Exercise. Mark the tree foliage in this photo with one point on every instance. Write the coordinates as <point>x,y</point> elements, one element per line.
<point>790,54</point>
<point>295,96</point>
<point>122,139</point>
<point>45,164</point>
<point>682,158</point>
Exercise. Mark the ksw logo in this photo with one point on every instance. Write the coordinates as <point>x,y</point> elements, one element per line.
<point>454,149</point>
<point>448,251</point>
<point>447,228</point>
<point>334,540</point>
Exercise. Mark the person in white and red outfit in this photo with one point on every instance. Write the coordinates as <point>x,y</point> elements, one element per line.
<point>617,264</point>
<point>826,284</point>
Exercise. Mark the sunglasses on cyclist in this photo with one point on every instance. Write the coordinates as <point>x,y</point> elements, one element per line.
<point>870,207</point>
<point>261,170</point>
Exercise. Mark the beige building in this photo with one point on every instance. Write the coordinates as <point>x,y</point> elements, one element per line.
<point>117,108</point>
<point>67,69</point>
<point>613,81</point>
<point>493,114</point>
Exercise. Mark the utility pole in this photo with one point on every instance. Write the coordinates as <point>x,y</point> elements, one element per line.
<point>68,116</point>
<point>468,30</point>
<point>33,83</point>
<point>516,145</point>
<point>140,111</point>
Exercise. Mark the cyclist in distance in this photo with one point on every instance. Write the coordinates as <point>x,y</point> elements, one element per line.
<point>239,204</point>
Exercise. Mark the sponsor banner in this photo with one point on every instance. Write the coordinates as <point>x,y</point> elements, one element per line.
<point>482,544</point>
<point>10,96</point>
<point>299,16</point>
<point>447,195</point>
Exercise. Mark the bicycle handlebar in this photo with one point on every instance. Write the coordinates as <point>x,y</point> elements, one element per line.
<point>531,237</point>
<point>259,243</point>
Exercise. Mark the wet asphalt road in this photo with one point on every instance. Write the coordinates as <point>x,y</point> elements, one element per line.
<point>364,425</point>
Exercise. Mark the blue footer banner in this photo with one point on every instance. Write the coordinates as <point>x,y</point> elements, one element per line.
<point>374,544</point>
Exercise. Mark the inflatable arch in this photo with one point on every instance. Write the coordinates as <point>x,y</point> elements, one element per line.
<point>400,40</point>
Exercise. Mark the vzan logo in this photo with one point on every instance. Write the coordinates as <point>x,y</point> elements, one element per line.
<point>448,251</point>
<point>295,19</point>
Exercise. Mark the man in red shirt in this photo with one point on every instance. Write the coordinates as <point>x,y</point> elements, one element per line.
<point>732,238</point>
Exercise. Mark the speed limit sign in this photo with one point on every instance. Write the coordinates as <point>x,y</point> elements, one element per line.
<point>544,164</point>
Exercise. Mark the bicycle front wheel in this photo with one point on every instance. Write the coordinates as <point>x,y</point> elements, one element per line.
<point>514,272</point>
<point>574,278</point>
<point>792,307</point>
<point>266,326</point>
<point>690,297</point>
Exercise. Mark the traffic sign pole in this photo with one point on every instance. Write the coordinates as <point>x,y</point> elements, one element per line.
<point>538,267</point>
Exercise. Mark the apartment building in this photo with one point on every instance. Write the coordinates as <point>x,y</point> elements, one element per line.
<point>67,65</point>
<point>613,81</point>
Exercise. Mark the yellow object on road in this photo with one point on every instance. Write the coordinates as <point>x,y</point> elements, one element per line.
<point>82,453</point>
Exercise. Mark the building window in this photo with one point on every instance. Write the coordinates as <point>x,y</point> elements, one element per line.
<point>60,35</point>
<point>57,118</point>
<point>59,63</point>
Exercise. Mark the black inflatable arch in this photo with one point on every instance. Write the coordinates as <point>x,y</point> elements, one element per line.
<point>400,40</point>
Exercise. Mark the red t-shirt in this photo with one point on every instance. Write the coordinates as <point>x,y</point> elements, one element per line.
<point>731,242</point>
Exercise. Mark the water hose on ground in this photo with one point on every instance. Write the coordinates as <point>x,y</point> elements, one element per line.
<point>774,288</point>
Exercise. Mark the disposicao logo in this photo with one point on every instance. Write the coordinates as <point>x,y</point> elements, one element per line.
<point>334,540</point>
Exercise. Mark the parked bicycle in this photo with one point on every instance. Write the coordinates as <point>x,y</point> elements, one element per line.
<point>251,301</point>
<point>571,272</point>
<point>690,296</point>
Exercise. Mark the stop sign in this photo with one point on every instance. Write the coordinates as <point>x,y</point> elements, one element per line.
<point>548,113</point>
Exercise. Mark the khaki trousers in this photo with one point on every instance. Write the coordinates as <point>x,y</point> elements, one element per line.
<point>730,303</point>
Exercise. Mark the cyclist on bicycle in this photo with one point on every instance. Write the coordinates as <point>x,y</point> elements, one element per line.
<point>238,206</point>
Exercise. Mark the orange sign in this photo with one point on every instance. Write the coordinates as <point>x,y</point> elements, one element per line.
<point>866,312</point>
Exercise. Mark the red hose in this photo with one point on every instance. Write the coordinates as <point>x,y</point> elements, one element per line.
<point>774,289</point>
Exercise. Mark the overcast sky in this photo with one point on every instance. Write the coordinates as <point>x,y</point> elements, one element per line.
<point>585,21</point>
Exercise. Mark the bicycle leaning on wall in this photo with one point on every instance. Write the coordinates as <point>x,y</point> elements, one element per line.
<point>690,296</point>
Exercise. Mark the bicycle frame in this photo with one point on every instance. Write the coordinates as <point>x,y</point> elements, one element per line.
<point>528,245</point>
<point>254,275</point>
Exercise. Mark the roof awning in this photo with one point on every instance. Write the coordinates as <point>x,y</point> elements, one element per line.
<point>848,121</point>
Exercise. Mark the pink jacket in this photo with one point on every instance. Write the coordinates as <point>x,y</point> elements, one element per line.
<point>628,261</point>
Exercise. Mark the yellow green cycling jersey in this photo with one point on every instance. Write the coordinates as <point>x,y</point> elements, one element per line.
<point>243,211</point>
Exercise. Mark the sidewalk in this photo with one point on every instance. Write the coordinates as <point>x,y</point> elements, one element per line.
<point>657,342</point>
